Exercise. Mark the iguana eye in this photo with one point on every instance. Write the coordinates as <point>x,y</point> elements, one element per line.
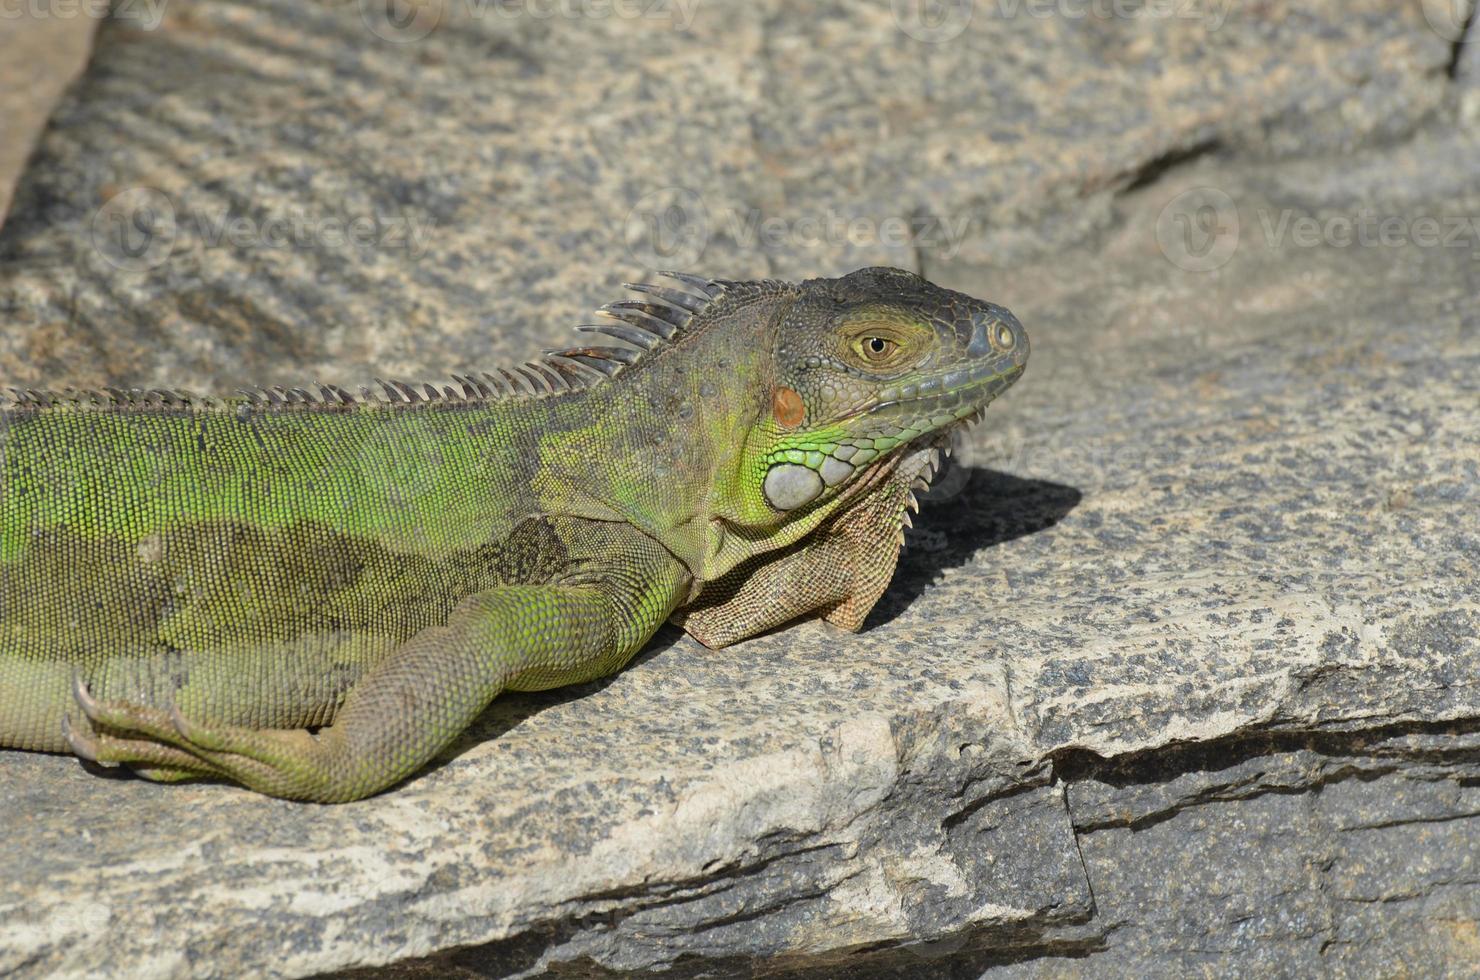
<point>876,349</point>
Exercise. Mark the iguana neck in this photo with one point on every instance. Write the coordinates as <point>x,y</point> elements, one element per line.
<point>660,445</point>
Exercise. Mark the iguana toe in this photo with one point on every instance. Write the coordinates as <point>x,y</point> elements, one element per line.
<point>195,735</point>
<point>82,746</point>
<point>84,698</point>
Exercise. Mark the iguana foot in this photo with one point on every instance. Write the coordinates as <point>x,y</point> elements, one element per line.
<point>150,760</point>
<point>154,741</point>
<point>83,747</point>
<point>115,716</point>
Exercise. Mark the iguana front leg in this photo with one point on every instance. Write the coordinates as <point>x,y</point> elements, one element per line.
<point>840,571</point>
<point>410,706</point>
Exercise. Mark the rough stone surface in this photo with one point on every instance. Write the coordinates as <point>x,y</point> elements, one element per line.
<point>41,50</point>
<point>1181,673</point>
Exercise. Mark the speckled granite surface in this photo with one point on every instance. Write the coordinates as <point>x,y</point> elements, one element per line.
<point>41,50</point>
<point>1181,671</point>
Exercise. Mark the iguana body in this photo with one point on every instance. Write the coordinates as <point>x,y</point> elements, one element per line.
<point>312,594</point>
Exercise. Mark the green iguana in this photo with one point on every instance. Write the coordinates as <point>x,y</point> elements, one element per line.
<point>312,593</point>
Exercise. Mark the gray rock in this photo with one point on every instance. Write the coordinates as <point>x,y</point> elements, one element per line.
<point>42,48</point>
<point>1182,669</point>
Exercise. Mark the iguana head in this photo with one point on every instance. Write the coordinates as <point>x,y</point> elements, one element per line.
<point>870,369</point>
<point>790,405</point>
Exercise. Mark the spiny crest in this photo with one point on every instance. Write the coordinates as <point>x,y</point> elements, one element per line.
<point>645,325</point>
<point>153,399</point>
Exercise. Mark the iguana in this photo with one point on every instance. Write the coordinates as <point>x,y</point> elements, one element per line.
<point>311,593</point>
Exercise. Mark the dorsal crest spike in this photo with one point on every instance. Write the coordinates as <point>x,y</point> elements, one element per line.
<point>699,284</point>
<point>591,357</point>
<point>554,378</point>
<point>497,384</point>
<point>578,372</point>
<point>536,381</point>
<point>518,384</point>
<point>644,317</point>
<point>636,336</point>
<point>672,297</point>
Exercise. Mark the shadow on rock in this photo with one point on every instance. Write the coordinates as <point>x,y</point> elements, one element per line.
<point>988,508</point>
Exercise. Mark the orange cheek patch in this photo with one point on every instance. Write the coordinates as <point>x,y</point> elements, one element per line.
<point>787,406</point>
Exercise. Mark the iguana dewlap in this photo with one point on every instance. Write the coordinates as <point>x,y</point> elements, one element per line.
<point>312,593</point>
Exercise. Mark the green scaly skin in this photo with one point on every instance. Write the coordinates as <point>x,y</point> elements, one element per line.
<point>313,594</point>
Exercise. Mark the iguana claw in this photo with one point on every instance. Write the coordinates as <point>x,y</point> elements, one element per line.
<point>84,698</point>
<point>82,747</point>
<point>189,731</point>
